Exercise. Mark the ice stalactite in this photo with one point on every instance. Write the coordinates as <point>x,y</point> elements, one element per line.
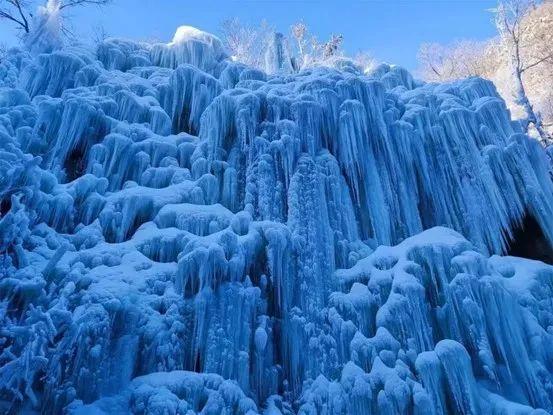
<point>362,172</point>
<point>277,56</point>
<point>180,233</point>
<point>311,235</point>
<point>186,96</point>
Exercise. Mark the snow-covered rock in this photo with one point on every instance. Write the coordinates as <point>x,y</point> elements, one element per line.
<point>182,234</point>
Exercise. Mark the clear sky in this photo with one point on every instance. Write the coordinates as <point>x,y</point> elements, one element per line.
<point>390,30</point>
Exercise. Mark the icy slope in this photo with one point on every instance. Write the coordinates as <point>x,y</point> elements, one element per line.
<point>183,234</point>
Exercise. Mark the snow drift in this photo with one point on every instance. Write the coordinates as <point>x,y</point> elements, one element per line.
<point>183,234</point>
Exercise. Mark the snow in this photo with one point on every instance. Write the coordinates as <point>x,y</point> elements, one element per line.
<point>180,233</point>
<point>45,33</point>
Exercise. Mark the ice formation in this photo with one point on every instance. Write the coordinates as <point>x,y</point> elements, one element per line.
<point>183,234</point>
<point>45,35</point>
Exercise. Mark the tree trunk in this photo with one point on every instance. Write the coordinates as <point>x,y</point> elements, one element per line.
<point>522,99</point>
<point>531,116</point>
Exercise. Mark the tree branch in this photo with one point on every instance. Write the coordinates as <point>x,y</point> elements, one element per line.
<point>5,15</point>
<point>435,70</point>
<point>17,5</point>
<point>22,20</point>
<point>74,3</point>
<point>545,58</point>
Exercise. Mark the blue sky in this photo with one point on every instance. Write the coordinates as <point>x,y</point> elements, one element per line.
<point>390,30</point>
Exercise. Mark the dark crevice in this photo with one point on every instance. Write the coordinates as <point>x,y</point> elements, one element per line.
<point>182,124</point>
<point>528,241</point>
<point>5,205</point>
<point>75,164</point>
<point>197,364</point>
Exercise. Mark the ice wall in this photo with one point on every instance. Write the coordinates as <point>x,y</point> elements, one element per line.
<point>181,234</point>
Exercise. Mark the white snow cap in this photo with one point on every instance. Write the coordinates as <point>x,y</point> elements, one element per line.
<point>190,46</point>
<point>186,33</point>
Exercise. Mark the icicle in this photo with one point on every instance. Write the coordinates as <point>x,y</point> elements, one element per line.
<point>277,56</point>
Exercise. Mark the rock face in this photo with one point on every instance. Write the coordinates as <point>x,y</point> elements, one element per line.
<point>183,234</point>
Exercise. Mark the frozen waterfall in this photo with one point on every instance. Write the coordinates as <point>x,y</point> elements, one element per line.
<point>182,234</point>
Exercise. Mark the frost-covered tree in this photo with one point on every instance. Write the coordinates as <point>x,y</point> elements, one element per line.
<point>458,60</point>
<point>332,47</point>
<point>259,46</point>
<point>300,32</point>
<point>246,43</point>
<point>536,43</point>
<point>307,46</point>
<point>310,51</point>
<point>526,48</point>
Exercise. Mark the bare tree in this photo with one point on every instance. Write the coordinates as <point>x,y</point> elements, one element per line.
<point>16,11</point>
<point>20,12</point>
<point>511,21</point>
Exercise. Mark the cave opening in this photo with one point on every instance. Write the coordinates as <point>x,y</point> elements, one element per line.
<point>528,241</point>
<point>75,165</point>
<point>5,205</point>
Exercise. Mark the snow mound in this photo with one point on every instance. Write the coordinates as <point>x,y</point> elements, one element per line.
<point>182,234</point>
<point>189,33</point>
